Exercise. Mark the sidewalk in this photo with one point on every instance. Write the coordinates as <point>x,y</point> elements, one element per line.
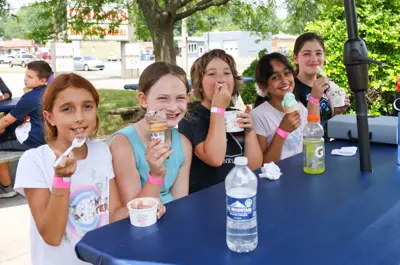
<point>14,239</point>
<point>15,83</point>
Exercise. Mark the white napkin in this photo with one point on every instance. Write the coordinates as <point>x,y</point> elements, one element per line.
<point>239,104</point>
<point>270,171</point>
<point>345,151</point>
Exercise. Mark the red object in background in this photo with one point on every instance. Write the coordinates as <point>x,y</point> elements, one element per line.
<point>398,84</point>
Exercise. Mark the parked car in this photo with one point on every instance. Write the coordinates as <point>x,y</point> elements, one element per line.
<point>112,57</point>
<point>43,55</point>
<point>22,60</point>
<point>6,58</point>
<point>87,63</point>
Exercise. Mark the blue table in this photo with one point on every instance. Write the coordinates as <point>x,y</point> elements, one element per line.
<point>8,104</point>
<point>337,218</point>
<point>136,86</point>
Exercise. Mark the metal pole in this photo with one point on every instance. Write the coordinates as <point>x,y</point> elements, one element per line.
<point>356,61</point>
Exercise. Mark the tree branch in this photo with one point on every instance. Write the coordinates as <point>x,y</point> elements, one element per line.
<point>200,6</point>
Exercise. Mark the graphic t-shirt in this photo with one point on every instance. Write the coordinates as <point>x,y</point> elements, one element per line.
<point>88,201</point>
<point>195,127</point>
<point>267,119</point>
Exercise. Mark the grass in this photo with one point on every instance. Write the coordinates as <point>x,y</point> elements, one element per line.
<point>113,99</point>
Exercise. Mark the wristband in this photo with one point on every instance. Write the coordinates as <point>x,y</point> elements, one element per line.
<point>61,183</point>
<point>313,100</point>
<point>155,181</point>
<point>282,133</point>
<point>218,110</point>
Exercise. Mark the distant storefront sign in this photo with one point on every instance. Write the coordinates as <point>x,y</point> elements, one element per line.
<point>100,30</point>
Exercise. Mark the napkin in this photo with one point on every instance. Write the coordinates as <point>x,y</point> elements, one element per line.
<point>270,171</point>
<point>345,151</point>
<point>239,104</point>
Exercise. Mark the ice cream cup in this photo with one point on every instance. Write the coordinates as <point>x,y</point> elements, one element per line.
<point>143,211</point>
<point>231,124</point>
<point>336,95</point>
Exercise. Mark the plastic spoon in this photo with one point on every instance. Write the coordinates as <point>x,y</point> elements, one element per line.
<point>77,142</point>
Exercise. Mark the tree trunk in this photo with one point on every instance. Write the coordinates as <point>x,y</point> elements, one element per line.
<point>163,41</point>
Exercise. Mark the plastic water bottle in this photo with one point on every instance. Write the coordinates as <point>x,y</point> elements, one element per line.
<point>313,146</point>
<point>241,215</point>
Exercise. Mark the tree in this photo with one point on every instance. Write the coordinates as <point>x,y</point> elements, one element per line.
<point>378,23</point>
<point>161,18</point>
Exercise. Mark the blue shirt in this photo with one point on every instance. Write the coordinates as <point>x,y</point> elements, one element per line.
<point>172,164</point>
<point>30,105</point>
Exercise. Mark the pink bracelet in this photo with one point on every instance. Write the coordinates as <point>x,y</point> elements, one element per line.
<point>155,181</point>
<point>61,183</point>
<point>218,110</point>
<point>282,133</point>
<point>313,100</point>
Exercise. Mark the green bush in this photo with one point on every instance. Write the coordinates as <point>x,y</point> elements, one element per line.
<point>248,92</point>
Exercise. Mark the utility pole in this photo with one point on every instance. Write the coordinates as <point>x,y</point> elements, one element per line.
<point>185,44</point>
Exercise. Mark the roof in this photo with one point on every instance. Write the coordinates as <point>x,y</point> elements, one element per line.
<point>281,35</point>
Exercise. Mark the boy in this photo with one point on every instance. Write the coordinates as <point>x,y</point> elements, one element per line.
<point>22,128</point>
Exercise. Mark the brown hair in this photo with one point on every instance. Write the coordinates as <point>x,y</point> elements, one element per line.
<point>155,71</point>
<point>58,85</point>
<point>302,39</point>
<point>42,69</point>
<point>199,68</point>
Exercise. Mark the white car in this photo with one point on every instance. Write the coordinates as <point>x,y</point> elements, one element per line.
<point>112,57</point>
<point>6,58</point>
<point>87,63</point>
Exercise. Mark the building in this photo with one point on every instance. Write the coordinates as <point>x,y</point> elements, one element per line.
<point>17,46</point>
<point>283,43</point>
<point>239,44</point>
<point>195,47</point>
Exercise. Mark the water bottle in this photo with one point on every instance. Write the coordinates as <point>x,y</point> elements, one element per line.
<point>313,146</point>
<point>241,215</point>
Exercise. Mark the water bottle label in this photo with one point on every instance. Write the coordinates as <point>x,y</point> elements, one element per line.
<point>241,209</point>
<point>314,155</point>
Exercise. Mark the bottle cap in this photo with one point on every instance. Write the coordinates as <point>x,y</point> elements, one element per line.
<point>240,161</point>
<point>313,118</point>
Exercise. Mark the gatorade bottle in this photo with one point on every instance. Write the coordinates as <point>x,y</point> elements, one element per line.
<point>313,146</point>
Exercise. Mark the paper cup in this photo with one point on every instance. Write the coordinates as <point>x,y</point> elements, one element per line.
<point>231,124</point>
<point>143,211</point>
<point>337,101</point>
<point>336,95</point>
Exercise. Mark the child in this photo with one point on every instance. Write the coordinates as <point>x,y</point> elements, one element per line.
<point>22,128</point>
<point>280,135</point>
<point>5,91</point>
<point>145,167</point>
<point>214,81</point>
<point>80,194</point>
<point>308,54</point>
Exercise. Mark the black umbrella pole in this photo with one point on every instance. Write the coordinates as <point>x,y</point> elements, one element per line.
<point>363,132</point>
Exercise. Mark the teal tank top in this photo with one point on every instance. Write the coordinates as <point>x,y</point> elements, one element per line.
<point>172,164</point>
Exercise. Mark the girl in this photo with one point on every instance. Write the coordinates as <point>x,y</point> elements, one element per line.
<point>280,135</point>
<point>214,81</point>
<point>80,194</point>
<point>145,167</point>
<point>308,54</point>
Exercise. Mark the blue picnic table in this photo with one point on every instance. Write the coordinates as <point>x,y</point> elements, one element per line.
<point>8,104</point>
<point>136,86</point>
<point>342,216</point>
